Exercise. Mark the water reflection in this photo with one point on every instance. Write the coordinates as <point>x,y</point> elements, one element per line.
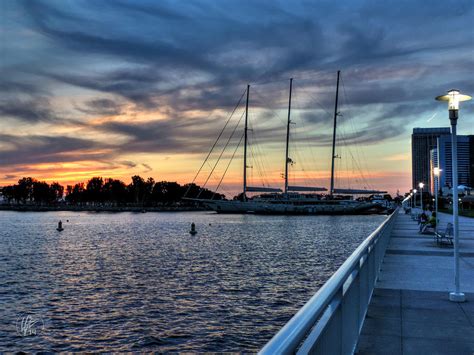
<point>141,282</point>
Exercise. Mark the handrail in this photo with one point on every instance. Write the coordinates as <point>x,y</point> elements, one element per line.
<point>362,266</point>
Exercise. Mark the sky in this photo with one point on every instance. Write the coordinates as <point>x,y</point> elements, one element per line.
<point>120,88</point>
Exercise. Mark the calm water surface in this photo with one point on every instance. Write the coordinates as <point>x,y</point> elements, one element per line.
<point>141,282</point>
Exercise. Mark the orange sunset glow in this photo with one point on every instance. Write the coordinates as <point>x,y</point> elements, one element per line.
<point>72,109</point>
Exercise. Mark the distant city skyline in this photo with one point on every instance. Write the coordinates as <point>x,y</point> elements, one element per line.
<point>124,88</point>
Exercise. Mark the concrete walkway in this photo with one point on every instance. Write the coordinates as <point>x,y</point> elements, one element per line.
<point>410,312</point>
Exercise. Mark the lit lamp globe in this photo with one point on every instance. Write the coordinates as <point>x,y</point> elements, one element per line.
<point>454,97</point>
<point>420,185</point>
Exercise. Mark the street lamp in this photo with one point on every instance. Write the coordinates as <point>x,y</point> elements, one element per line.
<point>436,172</point>
<point>414,197</point>
<point>454,97</point>
<point>421,194</point>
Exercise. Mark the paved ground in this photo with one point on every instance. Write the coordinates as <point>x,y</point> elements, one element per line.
<point>410,312</point>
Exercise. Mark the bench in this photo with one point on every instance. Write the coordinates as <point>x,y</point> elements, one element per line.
<point>445,237</point>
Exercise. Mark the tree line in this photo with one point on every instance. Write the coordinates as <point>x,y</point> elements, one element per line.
<point>109,191</point>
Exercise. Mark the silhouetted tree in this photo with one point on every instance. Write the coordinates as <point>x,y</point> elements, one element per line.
<point>138,192</point>
<point>94,190</point>
<point>56,191</point>
<point>8,193</point>
<point>115,191</point>
<point>137,188</point>
<point>195,191</point>
<point>41,192</point>
<point>24,189</point>
<point>75,194</point>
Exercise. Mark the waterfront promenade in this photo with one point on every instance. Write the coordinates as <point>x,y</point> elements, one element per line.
<point>410,312</point>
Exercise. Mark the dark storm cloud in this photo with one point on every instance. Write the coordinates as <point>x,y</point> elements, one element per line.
<point>199,42</point>
<point>105,107</point>
<point>23,88</point>
<point>30,110</point>
<point>199,55</point>
<point>48,149</point>
<point>174,135</point>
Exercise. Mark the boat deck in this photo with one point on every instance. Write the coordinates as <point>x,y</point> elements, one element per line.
<point>410,312</point>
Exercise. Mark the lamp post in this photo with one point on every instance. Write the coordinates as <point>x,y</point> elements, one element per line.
<point>420,185</point>
<point>454,97</point>
<point>436,172</point>
<point>414,197</point>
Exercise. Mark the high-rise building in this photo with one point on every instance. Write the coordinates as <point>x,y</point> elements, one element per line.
<point>423,140</point>
<point>446,162</point>
<point>471,160</point>
<point>465,161</point>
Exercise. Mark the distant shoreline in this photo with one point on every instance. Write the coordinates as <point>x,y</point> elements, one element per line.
<point>32,208</point>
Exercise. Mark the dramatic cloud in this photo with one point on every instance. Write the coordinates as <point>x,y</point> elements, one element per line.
<point>47,149</point>
<point>122,82</point>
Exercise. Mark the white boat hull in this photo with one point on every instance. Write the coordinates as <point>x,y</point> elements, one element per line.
<point>264,207</point>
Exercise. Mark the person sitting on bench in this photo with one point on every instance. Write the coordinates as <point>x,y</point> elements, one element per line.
<point>430,223</point>
<point>422,219</point>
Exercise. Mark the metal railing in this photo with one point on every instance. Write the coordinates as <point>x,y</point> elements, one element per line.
<point>331,321</point>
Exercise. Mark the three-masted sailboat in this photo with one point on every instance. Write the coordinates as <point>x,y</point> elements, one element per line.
<point>292,200</point>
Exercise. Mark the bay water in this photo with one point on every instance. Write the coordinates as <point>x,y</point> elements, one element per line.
<point>141,282</point>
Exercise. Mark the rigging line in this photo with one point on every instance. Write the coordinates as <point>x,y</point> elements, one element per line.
<point>269,81</point>
<point>220,155</point>
<point>296,149</point>
<point>252,155</point>
<point>258,164</point>
<point>346,143</point>
<point>299,157</point>
<point>259,157</point>
<point>354,160</point>
<point>261,163</point>
<point>358,146</point>
<point>344,162</point>
<point>308,140</point>
<point>213,146</point>
<point>271,116</point>
<point>351,122</point>
<point>313,98</point>
<point>265,103</point>
<point>227,168</point>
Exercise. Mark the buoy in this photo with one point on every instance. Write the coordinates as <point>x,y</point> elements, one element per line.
<point>193,229</point>
<point>60,226</point>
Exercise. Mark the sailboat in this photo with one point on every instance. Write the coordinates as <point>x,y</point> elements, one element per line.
<point>300,200</point>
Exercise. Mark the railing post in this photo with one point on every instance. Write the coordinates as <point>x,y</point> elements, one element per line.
<point>351,313</point>
<point>364,287</point>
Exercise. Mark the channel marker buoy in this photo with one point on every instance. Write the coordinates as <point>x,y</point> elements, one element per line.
<point>193,229</point>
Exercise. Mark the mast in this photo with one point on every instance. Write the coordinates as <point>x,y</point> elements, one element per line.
<point>244,197</point>
<point>331,190</point>
<point>287,158</point>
